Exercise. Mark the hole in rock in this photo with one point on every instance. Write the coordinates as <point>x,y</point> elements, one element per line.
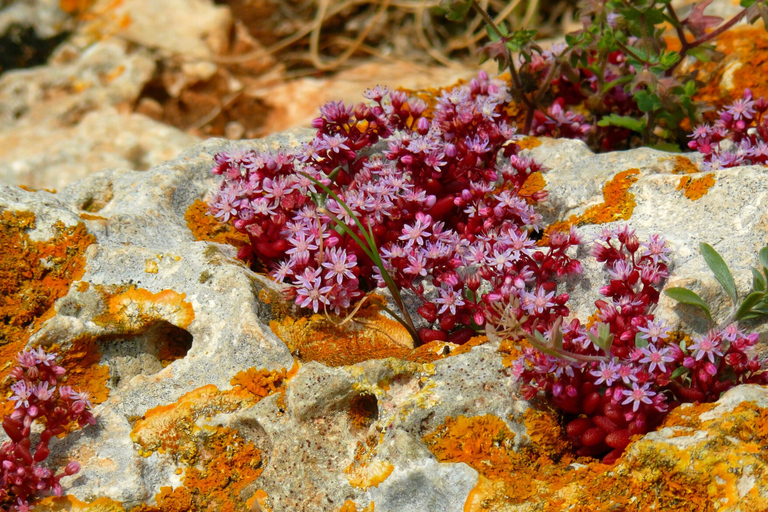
<point>364,410</point>
<point>21,47</point>
<point>145,353</point>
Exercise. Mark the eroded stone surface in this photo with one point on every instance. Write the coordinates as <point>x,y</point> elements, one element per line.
<point>177,322</point>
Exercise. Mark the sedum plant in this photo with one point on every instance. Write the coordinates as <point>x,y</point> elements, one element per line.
<point>622,375</point>
<point>40,401</point>
<point>443,213</point>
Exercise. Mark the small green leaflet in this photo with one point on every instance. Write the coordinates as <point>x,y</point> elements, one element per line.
<point>720,269</point>
<point>686,296</point>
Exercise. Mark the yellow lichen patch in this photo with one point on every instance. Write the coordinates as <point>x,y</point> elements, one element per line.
<point>365,476</point>
<point>331,341</point>
<point>150,267</point>
<point>511,351</point>
<point>618,204</point>
<point>205,227</point>
<point>131,309</point>
<point>72,504</point>
<point>171,428</point>
<point>217,478</point>
<point>696,188</point>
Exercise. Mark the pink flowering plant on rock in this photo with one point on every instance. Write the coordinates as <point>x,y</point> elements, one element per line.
<point>738,137</point>
<point>39,399</point>
<point>621,376</point>
<point>441,213</point>
<point>439,209</point>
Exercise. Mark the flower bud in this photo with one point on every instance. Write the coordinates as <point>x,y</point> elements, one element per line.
<point>422,126</point>
<point>318,123</point>
<point>450,150</point>
<point>72,468</point>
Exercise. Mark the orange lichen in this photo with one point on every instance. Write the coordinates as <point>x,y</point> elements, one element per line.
<point>745,65</point>
<point>88,216</point>
<point>618,204</point>
<point>349,506</point>
<point>653,474</point>
<point>367,335</point>
<point>84,372</point>
<point>217,478</point>
<point>365,476</point>
<point>131,309</point>
<point>258,501</point>
<point>683,165</point>
<point>436,350</point>
<point>534,183</point>
<point>171,428</point>
<point>696,188</point>
<point>33,189</point>
<point>75,6</point>
<point>260,383</point>
<point>71,504</point>
<point>529,143</point>
<point>206,227</point>
<point>33,274</point>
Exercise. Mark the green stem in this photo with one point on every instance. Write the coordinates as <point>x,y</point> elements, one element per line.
<point>369,247</point>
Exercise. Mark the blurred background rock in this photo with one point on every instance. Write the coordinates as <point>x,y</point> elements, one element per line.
<point>87,85</point>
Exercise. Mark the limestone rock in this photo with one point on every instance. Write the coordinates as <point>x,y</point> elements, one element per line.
<point>202,404</point>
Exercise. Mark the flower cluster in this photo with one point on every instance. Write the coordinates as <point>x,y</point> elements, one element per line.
<point>627,390</point>
<point>445,204</point>
<point>39,398</point>
<point>738,137</point>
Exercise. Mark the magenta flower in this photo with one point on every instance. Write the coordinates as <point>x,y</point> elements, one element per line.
<point>708,346</point>
<point>339,265</point>
<point>535,303</point>
<point>449,300</point>
<point>638,395</point>
<point>656,357</point>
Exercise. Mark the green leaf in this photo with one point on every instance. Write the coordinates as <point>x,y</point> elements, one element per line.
<point>758,281</point>
<point>628,122</point>
<point>457,9</point>
<point>763,255</point>
<point>669,147</point>
<point>604,338</point>
<point>640,342</point>
<point>720,269</point>
<point>686,296</point>
<point>679,371</point>
<point>646,101</point>
<point>752,299</point>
